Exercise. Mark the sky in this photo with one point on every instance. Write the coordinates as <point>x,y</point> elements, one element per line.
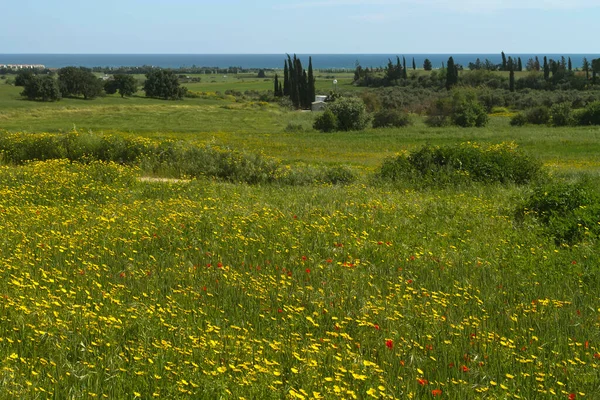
<point>303,27</point>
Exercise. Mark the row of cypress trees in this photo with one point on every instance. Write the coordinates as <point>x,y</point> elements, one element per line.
<point>298,84</point>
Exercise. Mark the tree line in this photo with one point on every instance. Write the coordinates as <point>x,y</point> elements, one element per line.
<point>556,73</point>
<point>81,82</point>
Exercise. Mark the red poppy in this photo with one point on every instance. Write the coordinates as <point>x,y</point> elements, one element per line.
<point>307,270</point>
<point>572,396</point>
<point>436,392</point>
<point>465,368</point>
<point>376,326</point>
<point>389,344</point>
<point>303,258</point>
<point>422,381</point>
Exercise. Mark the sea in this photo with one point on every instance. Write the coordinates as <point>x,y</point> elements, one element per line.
<point>267,61</point>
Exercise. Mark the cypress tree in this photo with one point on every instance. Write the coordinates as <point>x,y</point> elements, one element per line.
<point>570,65</point>
<point>404,74</point>
<point>311,83</point>
<point>451,74</point>
<point>519,65</point>
<point>276,87</point>
<point>414,65</point>
<point>586,68</point>
<point>286,80</point>
<point>546,69</point>
<point>280,90</point>
<point>504,62</point>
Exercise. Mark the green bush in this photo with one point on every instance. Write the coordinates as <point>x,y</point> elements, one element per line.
<point>502,163</point>
<point>569,211</point>
<point>561,114</point>
<point>518,120</point>
<point>538,115</point>
<point>461,109</point>
<point>590,114</point>
<point>351,114</point>
<point>326,122</point>
<point>390,118</point>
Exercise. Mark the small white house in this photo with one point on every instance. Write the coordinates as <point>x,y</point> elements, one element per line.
<point>319,103</point>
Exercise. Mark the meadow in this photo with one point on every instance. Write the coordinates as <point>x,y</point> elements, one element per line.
<point>118,281</point>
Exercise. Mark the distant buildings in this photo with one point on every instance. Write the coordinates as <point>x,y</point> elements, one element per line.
<point>22,66</point>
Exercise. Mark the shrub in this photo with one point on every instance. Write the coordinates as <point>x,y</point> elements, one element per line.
<point>569,211</point>
<point>538,115</point>
<point>390,118</point>
<point>326,122</point>
<point>518,120</point>
<point>351,114</point>
<point>561,114</point>
<point>590,114</point>
<point>294,127</point>
<point>462,109</point>
<point>501,163</point>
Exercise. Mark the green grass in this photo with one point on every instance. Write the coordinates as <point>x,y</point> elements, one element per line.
<point>114,287</point>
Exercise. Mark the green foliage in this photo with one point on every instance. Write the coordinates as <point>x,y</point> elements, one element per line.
<point>570,211</point>
<point>126,85</point>
<point>461,109</point>
<point>451,74</point>
<point>427,66</point>
<point>502,163</point>
<point>518,119</point>
<point>561,114</point>
<point>81,81</point>
<point>23,77</point>
<point>590,115</point>
<point>538,115</point>
<point>163,84</point>
<point>351,114</point>
<point>326,122</point>
<point>390,118</point>
<point>44,88</point>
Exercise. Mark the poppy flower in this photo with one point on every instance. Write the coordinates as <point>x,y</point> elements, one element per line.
<point>389,344</point>
<point>422,381</point>
<point>436,392</point>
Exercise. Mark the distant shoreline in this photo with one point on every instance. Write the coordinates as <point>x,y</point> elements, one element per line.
<point>253,61</point>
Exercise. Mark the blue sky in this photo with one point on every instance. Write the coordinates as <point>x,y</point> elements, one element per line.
<point>309,27</point>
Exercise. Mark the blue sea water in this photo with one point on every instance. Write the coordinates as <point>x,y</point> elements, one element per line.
<point>320,61</point>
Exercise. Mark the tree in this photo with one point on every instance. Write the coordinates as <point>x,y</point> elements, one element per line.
<point>414,65</point>
<point>504,66</point>
<point>276,87</point>
<point>261,73</point>
<point>519,65</point>
<point>404,74</point>
<point>546,69</point>
<point>586,68</point>
<point>595,69</point>
<point>74,81</point>
<point>23,76</point>
<point>451,74</point>
<point>44,88</point>
<point>163,84</point>
<point>570,64</point>
<point>427,66</point>
<point>126,85</point>
<point>311,90</point>
<point>286,79</point>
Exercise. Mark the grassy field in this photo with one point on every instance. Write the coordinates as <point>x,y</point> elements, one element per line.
<point>116,287</point>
